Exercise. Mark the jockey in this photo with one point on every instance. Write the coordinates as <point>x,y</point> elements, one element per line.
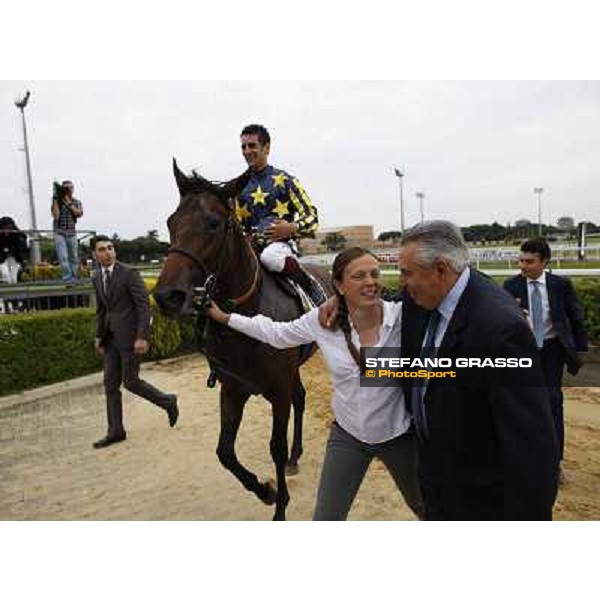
<point>275,206</point>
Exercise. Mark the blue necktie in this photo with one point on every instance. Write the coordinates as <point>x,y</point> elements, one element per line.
<point>418,392</point>
<point>537,313</point>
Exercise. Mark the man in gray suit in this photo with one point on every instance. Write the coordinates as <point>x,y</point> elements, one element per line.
<point>122,328</point>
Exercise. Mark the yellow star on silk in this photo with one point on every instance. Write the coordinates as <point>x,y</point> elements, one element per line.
<point>259,196</point>
<point>279,180</point>
<point>241,212</point>
<point>281,208</point>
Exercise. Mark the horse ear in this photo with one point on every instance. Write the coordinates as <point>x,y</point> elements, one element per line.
<point>233,188</point>
<point>180,178</point>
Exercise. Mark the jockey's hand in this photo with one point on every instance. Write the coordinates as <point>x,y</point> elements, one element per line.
<point>140,346</point>
<point>216,314</point>
<point>280,230</point>
<point>328,313</point>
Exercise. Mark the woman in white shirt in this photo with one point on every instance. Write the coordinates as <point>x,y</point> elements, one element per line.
<point>370,422</point>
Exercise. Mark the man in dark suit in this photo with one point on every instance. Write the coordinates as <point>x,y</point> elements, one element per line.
<point>122,328</point>
<point>488,449</point>
<point>557,320</point>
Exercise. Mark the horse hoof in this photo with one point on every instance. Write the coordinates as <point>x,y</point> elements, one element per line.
<point>291,470</point>
<point>279,516</point>
<point>269,494</point>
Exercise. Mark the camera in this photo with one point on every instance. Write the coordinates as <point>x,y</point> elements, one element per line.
<point>59,191</point>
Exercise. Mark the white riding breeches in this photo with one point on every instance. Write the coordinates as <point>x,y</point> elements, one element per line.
<point>9,270</point>
<point>274,255</point>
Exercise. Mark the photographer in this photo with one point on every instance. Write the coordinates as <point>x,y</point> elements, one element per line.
<point>66,209</point>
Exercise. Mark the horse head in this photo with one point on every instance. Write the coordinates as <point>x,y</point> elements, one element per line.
<point>203,230</point>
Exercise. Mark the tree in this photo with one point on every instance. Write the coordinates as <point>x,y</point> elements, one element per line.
<point>384,236</point>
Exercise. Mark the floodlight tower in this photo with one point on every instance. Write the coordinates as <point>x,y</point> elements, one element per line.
<point>538,191</point>
<point>400,176</point>
<point>35,254</point>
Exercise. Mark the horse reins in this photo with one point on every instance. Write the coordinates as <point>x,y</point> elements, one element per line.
<point>231,301</point>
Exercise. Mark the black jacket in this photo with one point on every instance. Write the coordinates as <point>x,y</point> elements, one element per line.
<point>488,445</point>
<point>565,311</point>
<point>126,310</point>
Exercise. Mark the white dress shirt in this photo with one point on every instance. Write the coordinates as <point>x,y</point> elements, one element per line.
<point>371,414</point>
<point>549,332</point>
<point>448,305</point>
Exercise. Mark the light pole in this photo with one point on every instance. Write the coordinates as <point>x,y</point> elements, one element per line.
<point>400,176</point>
<point>538,191</point>
<point>35,254</point>
<point>420,196</point>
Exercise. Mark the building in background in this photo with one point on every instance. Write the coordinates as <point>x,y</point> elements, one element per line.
<point>353,235</point>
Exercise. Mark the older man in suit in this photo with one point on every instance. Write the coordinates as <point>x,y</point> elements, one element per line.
<point>122,328</point>
<point>557,319</point>
<point>488,449</point>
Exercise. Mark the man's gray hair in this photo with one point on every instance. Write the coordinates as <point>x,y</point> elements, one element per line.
<point>438,240</point>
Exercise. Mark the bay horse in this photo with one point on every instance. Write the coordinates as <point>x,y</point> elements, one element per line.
<point>208,243</point>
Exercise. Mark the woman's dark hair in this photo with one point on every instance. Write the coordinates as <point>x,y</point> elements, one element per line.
<point>8,223</point>
<point>342,260</point>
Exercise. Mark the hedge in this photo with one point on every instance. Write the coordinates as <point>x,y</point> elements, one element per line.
<point>588,292</point>
<point>49,346</point>
<point>45,272</point>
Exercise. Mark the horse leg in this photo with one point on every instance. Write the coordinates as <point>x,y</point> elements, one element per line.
<point>299,402</point>
<point>279,453</point>
<point>232,410</point>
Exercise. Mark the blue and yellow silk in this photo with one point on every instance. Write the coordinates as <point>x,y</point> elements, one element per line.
<point>274,194</point>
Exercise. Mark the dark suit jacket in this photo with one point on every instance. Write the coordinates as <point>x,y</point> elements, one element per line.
<point>487,445</point>
<point>565,311</point>
<point>126,310</point>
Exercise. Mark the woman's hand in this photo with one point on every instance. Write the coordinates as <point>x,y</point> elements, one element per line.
<point>216,314</point>
<point>328,313</point>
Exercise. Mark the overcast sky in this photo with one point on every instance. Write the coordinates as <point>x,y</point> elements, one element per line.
<point>475,149</point>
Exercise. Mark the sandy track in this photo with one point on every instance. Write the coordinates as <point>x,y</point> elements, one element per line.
<point>49,471</point>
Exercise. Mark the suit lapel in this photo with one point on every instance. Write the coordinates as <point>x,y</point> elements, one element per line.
<point>99,283</point>
<point>114,281</point>
<point>457,323</point>
<point>553,296</point>
<point>522,292</point>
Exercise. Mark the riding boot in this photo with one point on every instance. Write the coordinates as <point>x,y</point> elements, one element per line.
<point>297,274</point>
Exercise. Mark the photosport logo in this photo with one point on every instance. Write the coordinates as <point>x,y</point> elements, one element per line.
<point>388,366</point>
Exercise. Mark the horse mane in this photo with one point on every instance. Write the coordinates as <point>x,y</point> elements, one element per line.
<point>198,184</point>
<point>223,189</point>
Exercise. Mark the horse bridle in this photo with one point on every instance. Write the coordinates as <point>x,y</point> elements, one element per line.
<point>213,277</point>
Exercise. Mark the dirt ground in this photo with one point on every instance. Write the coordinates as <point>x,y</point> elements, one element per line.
<point>49,470</point>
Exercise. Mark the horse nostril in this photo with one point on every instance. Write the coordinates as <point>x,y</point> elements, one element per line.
<point>212,224</point>
<point>170,300</point>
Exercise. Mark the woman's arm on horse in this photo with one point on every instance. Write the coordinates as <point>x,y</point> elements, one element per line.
<point>279,334</point>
